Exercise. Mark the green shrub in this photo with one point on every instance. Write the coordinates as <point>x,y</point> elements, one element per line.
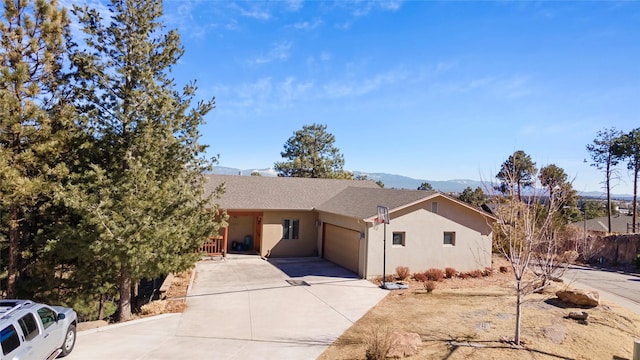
<point>636,261</point>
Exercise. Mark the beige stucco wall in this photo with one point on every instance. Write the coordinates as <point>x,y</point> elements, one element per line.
<point>424,233</point>
<point>239,227</point>
<point>274,246</point>
<point>347,223</point>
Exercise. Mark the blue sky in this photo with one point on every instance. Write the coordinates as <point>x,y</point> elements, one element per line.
<point>430,90</point>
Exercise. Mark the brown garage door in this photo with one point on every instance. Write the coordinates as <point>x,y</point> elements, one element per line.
<point>341,246</point>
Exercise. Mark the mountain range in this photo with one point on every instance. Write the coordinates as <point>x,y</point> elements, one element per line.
<point>405,182</point>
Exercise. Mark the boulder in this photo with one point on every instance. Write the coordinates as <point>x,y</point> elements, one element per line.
<point>404,344</point>
<point>578,315</point>
<point>579,297</point>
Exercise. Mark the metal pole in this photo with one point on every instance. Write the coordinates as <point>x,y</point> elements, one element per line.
<point>384,257</point>
<point>636,350</point>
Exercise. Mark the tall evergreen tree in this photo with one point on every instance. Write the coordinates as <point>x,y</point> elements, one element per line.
<point>311,154</point>
<point>605,156</point>
<point>144,195</point>
<point>35,126</point>
<point>517,171</point>
<point>629,149</point>
<point>474,197</point>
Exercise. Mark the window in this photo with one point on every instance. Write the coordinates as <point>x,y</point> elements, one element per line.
<point>9,339</point>
<point>29,326</point>
<point>449,238</point>
<point>47,316</point>
<point>398,238</point>
<point>291,229</point>
<point>434,207</point>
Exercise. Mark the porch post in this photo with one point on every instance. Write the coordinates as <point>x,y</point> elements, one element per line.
<point>225,235</point>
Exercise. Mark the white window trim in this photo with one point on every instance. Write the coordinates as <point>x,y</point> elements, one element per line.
<point>404,239</point>
<point>453,240</point>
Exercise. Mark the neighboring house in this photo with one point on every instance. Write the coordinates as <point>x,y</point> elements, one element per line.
<point>620,224</point>
<point>336,220</point>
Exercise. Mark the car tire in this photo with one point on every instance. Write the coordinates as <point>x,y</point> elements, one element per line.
<point>69,341</point>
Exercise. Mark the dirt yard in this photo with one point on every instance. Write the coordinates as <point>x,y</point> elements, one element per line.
<point>475,318</point>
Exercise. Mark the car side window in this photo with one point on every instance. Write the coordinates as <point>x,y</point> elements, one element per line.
<point>9,339</point>
<point>47,316</point>
<point>29,326</point>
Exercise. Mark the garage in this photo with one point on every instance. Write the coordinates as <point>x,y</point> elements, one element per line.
<point>341,246</point>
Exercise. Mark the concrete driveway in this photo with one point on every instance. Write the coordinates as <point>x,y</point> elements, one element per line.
<point>246,308</point>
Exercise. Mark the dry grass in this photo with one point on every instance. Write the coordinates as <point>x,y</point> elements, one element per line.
<point>473,318</point>
<point>176,296</point>
<point>153,308</point>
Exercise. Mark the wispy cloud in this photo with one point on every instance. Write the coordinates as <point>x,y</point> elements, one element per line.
<point>294,5</point>
<point>362,8</point>
<point>261,95</point>
<point>306,25</point>
<point>255,12</point>
<point>279,52</point>
<point>510,87</point>
<point>364,86</point>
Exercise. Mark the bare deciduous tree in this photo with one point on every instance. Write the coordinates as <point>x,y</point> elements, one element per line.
<point>525,234</point>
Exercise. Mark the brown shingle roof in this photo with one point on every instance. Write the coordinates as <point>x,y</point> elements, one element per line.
<point>362,203</point>
<point>278,193</point>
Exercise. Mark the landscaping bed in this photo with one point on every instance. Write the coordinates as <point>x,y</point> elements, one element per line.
<point>475,318</point>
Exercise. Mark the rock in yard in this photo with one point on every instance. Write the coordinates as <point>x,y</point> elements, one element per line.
<point>579,297</point>
<point>578,315</point>
<point>404,344</point>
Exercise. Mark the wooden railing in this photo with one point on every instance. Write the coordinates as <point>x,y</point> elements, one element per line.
<point>215,246</point>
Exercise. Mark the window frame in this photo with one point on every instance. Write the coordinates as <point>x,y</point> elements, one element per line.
<point>452,235</point>
<point>44,313</point>
<point>28,333</point>
<point>291,229</point>
<point>434,207</point>
<point>403,238</point>
<point>9,339</point>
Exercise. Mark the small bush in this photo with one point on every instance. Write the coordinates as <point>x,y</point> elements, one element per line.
<point>476,273</point>
<point>450,272</point>
<point>488,271</point>
<point>636,261</point>
<point>464,275</point>
<point>504,269</point>
<point>402,272</point>
<point>378,342</point>
<point>153,308</point>
<point>435,274</point>
<point>390,278</point>
<point>430,285</point>
<point>420,277</point>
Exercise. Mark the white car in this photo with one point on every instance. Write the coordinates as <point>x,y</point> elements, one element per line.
<point>32,331</point>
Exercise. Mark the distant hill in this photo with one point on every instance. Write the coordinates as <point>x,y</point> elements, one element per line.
<point>405,182</point>
<point>389,180</point>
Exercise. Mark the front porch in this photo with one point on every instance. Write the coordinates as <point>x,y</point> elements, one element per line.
<point>243,235</point>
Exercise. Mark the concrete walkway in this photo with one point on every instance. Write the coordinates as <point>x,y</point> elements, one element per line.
<point>246,308</point>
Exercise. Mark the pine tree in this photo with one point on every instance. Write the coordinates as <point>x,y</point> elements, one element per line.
<point>521,169</point>
<point>605,156</point>
<point>144,194</point>
<point>311,154</point>
<point>35,126</point>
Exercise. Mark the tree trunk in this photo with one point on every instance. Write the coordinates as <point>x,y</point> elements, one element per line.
<point>635,198</point>
<point>101,307</point>
<point>516,338</point>
<point>124,303</point>
<point>14,243</point>
<point>608,184</point>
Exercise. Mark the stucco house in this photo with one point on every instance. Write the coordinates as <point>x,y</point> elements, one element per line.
<point>336,220</point>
